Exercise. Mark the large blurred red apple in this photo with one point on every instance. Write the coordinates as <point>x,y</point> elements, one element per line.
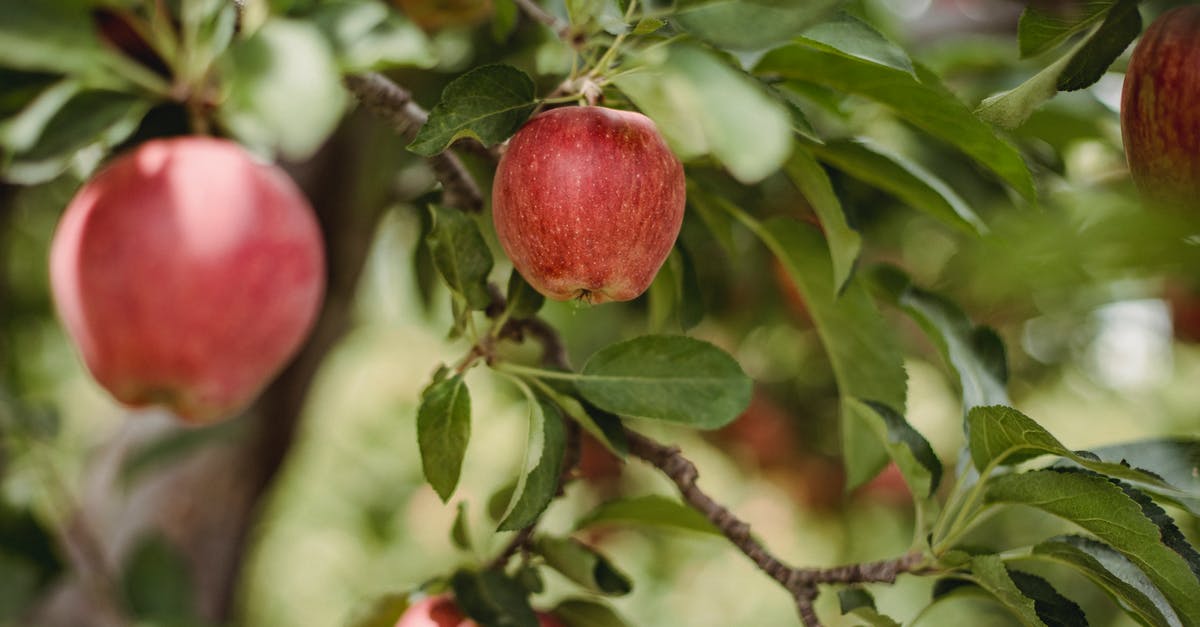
<point>588,202</point>
<point>187,274</point>
<point>1160,110</point>
<point>441,611</point>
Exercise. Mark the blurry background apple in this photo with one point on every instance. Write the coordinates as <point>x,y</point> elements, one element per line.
<point>187,274</point>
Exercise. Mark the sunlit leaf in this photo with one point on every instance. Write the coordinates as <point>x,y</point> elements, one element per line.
<point>443,430</point>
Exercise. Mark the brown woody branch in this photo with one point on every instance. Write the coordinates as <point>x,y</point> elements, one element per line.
<point>393,102</point>
<point>396,105</point>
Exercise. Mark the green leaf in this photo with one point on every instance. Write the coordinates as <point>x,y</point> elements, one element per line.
<point>582,565</point>
<point>489,103</point>
<point>845,243</point>
<point>504,19</point>
<point>1117,515</point>
<point>88,117</point>
<point>1042,28</point>
<point>648,25</point>
<point>922,101</point>
<point>1121,26</point>
<point>606,427</point>
<point>703,106</point>
<point>903,178</point>
<point>587,613</point>
<point>914,456</point>
<point>652,510</point>
<point>538,481</point>
<point>1004,435</point>
<point>1010,109</point>
<point>858,602</point>
<point>1175,460</point>
<point>384,611</point>
<point>748,25</point>
<point>443,430</point>
<point>862,349</point>
<point>367,36</point>
<point>523,301</point>
<point>976,354</point>
<point>1127,584</point>
<point>157,584</point>
<point>283,89</point>
<point>492,598</point>
<point>667,377</point>
<point>849,36</point>
<point>29,554</point>
<point>50,35</point>
<point>1052,607</point>
<point>460,532</point>
<point>992,575</point>
<point>460,254</point>
<point>20,588</point>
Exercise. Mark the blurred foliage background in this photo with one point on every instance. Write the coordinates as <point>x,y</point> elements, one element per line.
<point>1096,301</point>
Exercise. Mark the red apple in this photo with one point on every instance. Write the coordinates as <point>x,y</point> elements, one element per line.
<point>187,274</point>
<point>1160,118</point>
<point>588,202</point>
<point>441,611</point>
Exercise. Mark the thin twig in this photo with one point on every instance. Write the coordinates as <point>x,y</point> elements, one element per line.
<point>396,105</point>
<point>561,29</point>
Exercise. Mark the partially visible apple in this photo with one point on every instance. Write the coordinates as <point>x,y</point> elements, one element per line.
<point>187,274</point>
<point>587,203</point>
<point>1160,114</point>
<point>441,611</point>
<point>432,15</point>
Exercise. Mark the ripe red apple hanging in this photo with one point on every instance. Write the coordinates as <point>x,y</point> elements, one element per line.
<point>187,274</point>
<point>1160,110</point>
<point>587,203</point>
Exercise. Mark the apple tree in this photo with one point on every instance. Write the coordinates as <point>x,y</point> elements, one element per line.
<point>434,312</point>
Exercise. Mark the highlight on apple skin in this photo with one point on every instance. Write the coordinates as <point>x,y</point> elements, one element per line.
<point>187,274</point>
<point>587,202</point>
<point>441,611</point>
<point>1160,119</point>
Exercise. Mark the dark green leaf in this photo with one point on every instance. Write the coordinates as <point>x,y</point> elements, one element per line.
<point>460,533</point>
<point>852,37</point>
<point>489,103</point>
<point>523,301</point>
<point>923,101</point>
<point>443,430</point>
<point>914,456</point>
<point>1105,508</point>
<point>903,178</point>
<point>858,602</point>
<point>20,587</point>
<point>741,25</point>
<point>1042,28</point>
<point>605,426</point>
<point>1120,27</point>
<point>845,243</point>
<point>50,35</point>
<point>587,613</point>
<point>863,352</point>
<point>461,255</point>
<point>667,377</point>
<point>1115,574</point>
<point>1052,608</point>
<point>493,599</point>
<point>975,353</point>
<point>583,565</point>
<point>704,106</point>
<point>157,583</point>
<point>367,36</point>
<point>1175,460</point>
<point>538,481</point>
<point>990,573</point>
<point>652,510</point>
<point>284,91</point>
<point>1004,435</point>
<point>30,546</point>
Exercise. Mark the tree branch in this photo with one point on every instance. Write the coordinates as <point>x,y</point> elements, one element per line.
<point>396,105</point>
<point>561,29</point>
